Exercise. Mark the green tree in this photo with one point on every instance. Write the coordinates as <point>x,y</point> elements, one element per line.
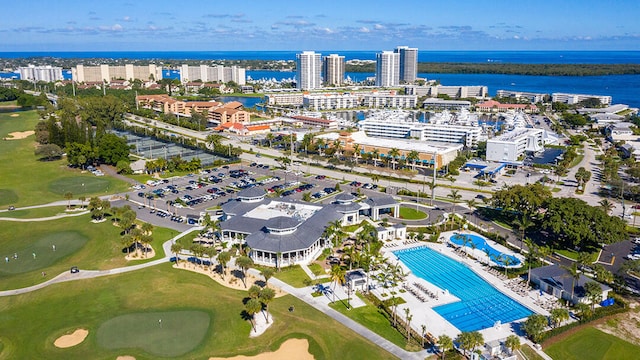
<point>254,291</point>
<point>512,343</point>
<point>48,152</point>
<point>558,316</point>
<point>445,343</point>
<point>244,263</point>
<point>534,326</point>
<point>455,199</point>
<point>266,296</point>
<point>267,273</point>
<point>252,307</point>
<point>223,258</point>
<point>112,148</point>
<point>593,292</point>
<point>176,248</point>
<point>68,195</point>
<point>337,275</point>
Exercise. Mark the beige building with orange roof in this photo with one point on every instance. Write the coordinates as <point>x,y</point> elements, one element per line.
<point>494,106</point>
<point>216,111</point>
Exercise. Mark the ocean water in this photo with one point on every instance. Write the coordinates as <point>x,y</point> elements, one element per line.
<point>523,57</point>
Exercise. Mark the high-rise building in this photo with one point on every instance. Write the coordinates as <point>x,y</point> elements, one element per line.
<point>408,63</point>
<point>333,69</point>
<point>218,73</point>
<point>100,73</point>
<point>308,70</point>
<point>40,73</point>
<point>387,69</point>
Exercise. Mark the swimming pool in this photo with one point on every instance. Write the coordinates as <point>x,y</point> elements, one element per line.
<point>481,244</point>
<point>480,306</point>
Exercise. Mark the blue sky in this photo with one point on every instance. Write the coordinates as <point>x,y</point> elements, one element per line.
<point>122,25</point>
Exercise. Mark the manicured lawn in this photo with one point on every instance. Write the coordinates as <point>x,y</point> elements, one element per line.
<point>28,181</point>
<point>590,343</point>
<point>78,243</point>
<point>573,255</point>
<point>530,353</point>
<point>317,269</point>
<point>30,323</point>
<point>293,275</point>
<point>412,214</point>
<point>35,212</point>
<point>372,318</point>
<point>166,333</point>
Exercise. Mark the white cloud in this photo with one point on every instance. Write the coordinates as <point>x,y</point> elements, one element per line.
<point>364,29</point>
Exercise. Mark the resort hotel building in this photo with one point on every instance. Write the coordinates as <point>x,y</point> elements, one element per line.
<point>40,73</point>
<point>408,69</point>
<point>576,98</point>
<point>206,73</point>
<point>283,233</point>
<point>518,95</point>
<point>512,146</point>
<point>106,73</point>
<point>333,70</point>
<point>387,69</point>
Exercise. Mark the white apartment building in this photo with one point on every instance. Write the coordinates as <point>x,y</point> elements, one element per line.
<point>331,101</point>
<point>101,73</point>
<point>285,98</point>
<point>512,146</point>
<point>333,69</point>
<point>308,70</point>
<point>218,73</point>
<point>40,73</point>
<point>455,92</point>
<point>389,101</point>
<point>532,97</point>
<point>576,98</point>
<point>387,125</point>
<point>449,133</point>
<point>387,69</point>
<point>408,68</point>
<point>442,104</point>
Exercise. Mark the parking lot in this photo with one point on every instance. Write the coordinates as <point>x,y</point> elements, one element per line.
<point>177,202</point>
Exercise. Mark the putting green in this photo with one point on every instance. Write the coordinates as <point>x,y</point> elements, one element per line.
<point>8,197</point>
<point>66,243</point>
<point>167,333</point>
<point>79,185</point>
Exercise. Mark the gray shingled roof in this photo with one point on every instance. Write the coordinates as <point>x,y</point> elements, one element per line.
<point>561,278</point>
<point>237,207</point>
<point>282,223</point>
<point>345,196</point>
<point>381,201</point>
<point>251,192</point>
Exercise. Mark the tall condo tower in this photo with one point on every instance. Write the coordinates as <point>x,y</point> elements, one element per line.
<point>333,69</point>
<point>408,63</point>
<point>387,69</point>
<point>308,70</point>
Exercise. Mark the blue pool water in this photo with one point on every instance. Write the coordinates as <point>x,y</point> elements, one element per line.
<point>480,306</point>
<point>482,245</point>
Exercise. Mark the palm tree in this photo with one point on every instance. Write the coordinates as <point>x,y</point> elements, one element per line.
<point>244,262</point>
<point>432,185</point>
<point>267,273</point>
<point>413,157</point>
<point>575,275</point>
<point>393,154</point>
<point>512,343</point>
<point>176,248</point>
<point>356,153</point>
<point>423,333</point>
<point>445,343</point>
<point>559,315</point>
<point>147,228</point>
<point>223,258</point>
<point>337,275</point>
<point>408,317</point>
<point>606,205</point>
<point>455,198</point>
<point>265,296</point>
<point>523,223</point>
<point>252,307</point>
<point>376,155</point>
<point>127,241</point>
<point>68,195</point>
<point>82,200</point>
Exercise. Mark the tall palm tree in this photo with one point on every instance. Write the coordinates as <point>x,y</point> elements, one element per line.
<point>393,155</point>
<point>267,273</point>
<point>356,153</point>
<point>337,275</point>
<point>265,296</point>
<point>223,258</point>
<point>575,275</point>
<point>445,343</point>
<point>523,223</point>
<point>408,317</point>
<point>413,157</point>
<point>252,307</point>
<point>455,198</point>
<point>606,205</point>
<point>68,195</point>
<point>432,185</point>
<point>512,343</point>
<point>244,262</point>
<point>176,248</point>
<point>376,155</point>
<point>472,204</point>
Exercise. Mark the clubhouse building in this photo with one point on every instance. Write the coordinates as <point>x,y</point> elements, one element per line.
<point>283,233</point>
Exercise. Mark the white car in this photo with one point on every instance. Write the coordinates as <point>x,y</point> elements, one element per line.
<point>636,240</point>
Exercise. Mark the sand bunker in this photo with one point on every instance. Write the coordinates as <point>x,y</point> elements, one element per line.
<point>139,255</point>
<point>229,280</point>
<point>290,349</point>
<point>73,339</point>
<point>125,357</point>
<point>17,135</point>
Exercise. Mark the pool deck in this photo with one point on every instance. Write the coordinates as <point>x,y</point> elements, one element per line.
<point>480,254</point>
<point>423,313</point>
